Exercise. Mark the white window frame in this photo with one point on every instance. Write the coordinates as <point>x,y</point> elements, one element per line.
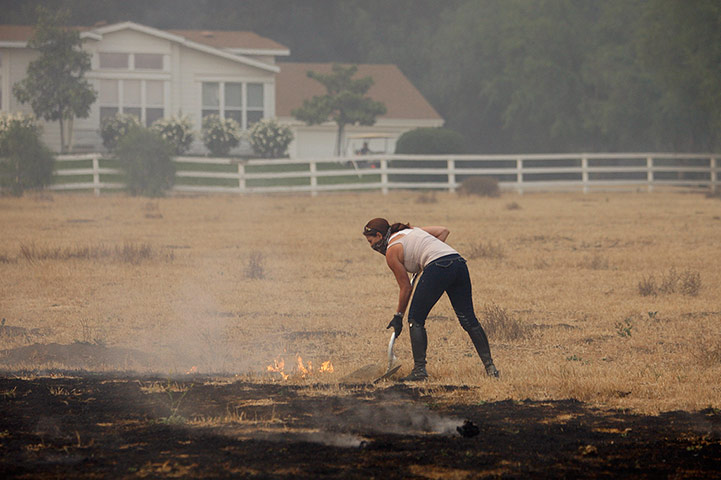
<point>4,94</point>
<point>244,92</point>
<point>131,62</point>
<point>121,105</point>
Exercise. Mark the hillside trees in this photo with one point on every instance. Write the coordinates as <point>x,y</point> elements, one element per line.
<point>512,75</point>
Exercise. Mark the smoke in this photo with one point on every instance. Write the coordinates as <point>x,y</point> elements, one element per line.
<point>349,422</point>
<point>197,337</point>
<point>389,414</point>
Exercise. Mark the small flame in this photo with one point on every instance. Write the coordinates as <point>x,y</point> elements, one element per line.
<point>300,369</point>
<point>277,367</point>
<point>193,369</point>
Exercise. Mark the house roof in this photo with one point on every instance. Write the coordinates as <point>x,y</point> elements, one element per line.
<point>230,45</point>
<point>236,41</point>
<point>15,33</point>
<point>214,38</point>
<point>390,86</point>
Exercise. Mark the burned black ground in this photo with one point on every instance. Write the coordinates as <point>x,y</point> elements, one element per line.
<point>110,426</point>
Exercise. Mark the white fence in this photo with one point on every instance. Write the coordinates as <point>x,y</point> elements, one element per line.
<point>388,172</point>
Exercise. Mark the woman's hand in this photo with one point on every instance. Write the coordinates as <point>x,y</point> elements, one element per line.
<point>397,324</point>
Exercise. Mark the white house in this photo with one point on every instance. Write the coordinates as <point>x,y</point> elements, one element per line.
<point>156,73</point>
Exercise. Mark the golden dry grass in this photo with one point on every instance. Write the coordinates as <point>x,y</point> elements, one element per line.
<point>233,283</point>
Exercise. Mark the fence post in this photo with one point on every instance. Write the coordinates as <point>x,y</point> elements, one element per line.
<point>313,178</point>
<point>384,176</point>
<point>649,173</point>
<point>584,173</point>
<point>519,175</point>
<point>96,176</point>
<point>241,177</point>
<point>451,175</point>
<point>714,174</point>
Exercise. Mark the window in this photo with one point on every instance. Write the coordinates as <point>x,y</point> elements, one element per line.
<point>148,61</point>
<point>234,102</point>
<point>255,102</point>
<point>131,61</point>
<point>243,102</point>
<point>143,98</point>
<point>114,60</point>
<point>211,98</point>
<point>1,81</point>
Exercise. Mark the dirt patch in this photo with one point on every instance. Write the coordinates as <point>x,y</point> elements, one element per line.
<point>114,426</point>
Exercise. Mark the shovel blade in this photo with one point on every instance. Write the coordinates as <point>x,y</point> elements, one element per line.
<point>388,374</point>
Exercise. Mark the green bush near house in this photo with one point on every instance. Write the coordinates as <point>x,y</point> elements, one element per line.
<point>220,135</point>
<point>113,129</point>
<point>269,139</point>
<point>425,141</point>
<point>177,131</point>
<point>146,160</point>
<point>25,161</point>
<point>430,141</point>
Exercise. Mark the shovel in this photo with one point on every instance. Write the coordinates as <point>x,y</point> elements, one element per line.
<point>391,360</point>
<point>364,372</point>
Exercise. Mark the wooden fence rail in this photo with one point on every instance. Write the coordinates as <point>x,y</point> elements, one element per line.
<point>521,173</point>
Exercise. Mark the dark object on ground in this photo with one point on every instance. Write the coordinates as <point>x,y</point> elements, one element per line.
<point>468,429</point>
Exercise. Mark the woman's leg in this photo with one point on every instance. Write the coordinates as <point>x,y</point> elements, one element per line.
<point>460,294</point>
<point>431,286</point>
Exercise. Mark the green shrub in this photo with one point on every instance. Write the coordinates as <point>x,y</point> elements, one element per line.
<point>25,161</point>
<point>112,129</point>
<point>176,131</point>
<point>269,139</point>
<point>220,135</point>
<point>430,141</point>
<point>482,186</point>
<point>145,158</point>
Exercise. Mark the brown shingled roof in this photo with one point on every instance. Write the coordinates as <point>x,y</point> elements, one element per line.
<point>15,33</point>
<point>228,39</point>
<point>401,98</point>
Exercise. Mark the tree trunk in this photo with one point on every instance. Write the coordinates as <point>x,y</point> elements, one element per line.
<point>71,134</point>
<point>339,140</point>
<point>62,135</point>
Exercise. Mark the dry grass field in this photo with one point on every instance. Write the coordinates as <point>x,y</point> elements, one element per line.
<point>613,299</point>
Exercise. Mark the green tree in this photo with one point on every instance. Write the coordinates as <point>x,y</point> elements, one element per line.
<point>55,85</point>
<point>680,46</point>
<point>25,161</point>
<point>344,103</point>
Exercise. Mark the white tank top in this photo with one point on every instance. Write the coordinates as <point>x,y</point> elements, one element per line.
<point>419,248</point>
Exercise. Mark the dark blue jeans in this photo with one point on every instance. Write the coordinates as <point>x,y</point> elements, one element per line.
<point>447,274</point>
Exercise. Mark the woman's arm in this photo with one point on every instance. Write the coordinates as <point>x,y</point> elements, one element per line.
<point>441,233</point>
<point>394,260</point>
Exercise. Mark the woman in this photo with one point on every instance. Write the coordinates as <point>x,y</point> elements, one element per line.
<point>412,250</point>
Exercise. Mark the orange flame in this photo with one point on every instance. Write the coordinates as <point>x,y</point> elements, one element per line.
<point>277,367</point>
<point>300,370</point>
<point>193,369</point>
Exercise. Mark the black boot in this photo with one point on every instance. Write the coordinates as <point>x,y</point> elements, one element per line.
<point>480,341</point>
<point>419,344</point>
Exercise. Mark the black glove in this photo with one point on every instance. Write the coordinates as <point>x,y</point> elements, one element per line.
<point>397,324</point>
